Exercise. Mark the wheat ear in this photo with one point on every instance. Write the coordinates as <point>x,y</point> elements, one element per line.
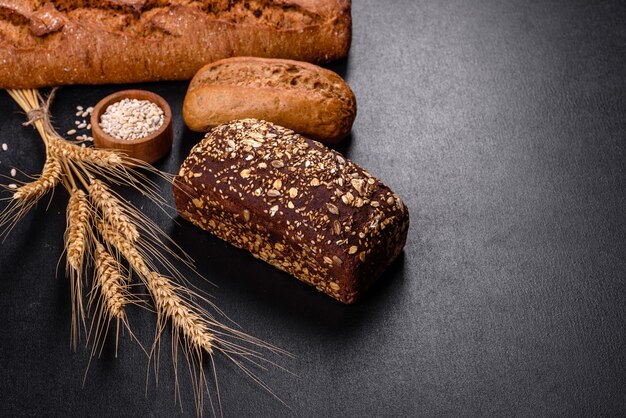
<point>163,292</point>
<point>112,210</point>
<point>27,195</point>
<point>192,325</point>
<point>183,318</point>
<point>60,148</point>
<point>78,223</point>
<point>76,242</point>
<point>188,326</point>
<point>49,178</point>
<point>111,283</point>
<point>112,295</point>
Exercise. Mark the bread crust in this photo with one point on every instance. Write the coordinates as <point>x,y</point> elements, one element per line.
<point>44,43</point>
<point>308,99</point>
<point>293,203</point>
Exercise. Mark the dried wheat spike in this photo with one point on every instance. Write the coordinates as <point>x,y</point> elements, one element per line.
<point>112,211</point>
<point>168,302</point>
<point>197,332</point>
<point>76,243</point>
<point>76,239</point>
<point>49,178</point>
<point>110,282</point>
<point>63,149</point>
<point>184,319</point>
<point>125,247</point>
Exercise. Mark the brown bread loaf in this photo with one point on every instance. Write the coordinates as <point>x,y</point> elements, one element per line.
<point>57,42</point>
<point>293,203</point>
<point>311,100</point>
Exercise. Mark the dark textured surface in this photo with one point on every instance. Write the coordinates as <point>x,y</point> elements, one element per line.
<point>502,125</point>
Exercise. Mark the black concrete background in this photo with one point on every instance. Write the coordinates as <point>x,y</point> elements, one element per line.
<point>502,125</point>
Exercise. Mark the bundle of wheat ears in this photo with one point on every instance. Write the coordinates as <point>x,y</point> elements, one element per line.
<point>112,251</point>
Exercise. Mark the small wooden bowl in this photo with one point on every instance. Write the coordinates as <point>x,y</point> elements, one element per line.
<point>150,148</point>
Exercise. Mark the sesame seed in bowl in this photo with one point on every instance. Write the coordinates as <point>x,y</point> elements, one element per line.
<point>136,122</point>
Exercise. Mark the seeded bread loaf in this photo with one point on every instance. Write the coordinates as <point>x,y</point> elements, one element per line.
<point>57,42</point>
<point>293,203</point>
<point>311,100</point>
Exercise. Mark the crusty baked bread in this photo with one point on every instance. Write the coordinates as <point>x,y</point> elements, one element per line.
<point>293,203</point>
<point>57,42</point>
<point>311,100</point>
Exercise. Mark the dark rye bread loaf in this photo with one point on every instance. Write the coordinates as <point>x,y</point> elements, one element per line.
<point>311,100</point>
<point>293,203</point>
<point>44,43</point>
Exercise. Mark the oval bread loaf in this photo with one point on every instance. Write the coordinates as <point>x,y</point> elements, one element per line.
<point>308,99</point>
<point>293,203</point>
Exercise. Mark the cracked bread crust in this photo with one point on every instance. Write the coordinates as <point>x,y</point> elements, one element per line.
<point>293,203</point>
<point>311,100</point>
<point>45,43</point>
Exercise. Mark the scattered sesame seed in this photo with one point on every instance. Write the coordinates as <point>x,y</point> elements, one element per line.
<point>13,172</point>
<point>12,186</point>
<point>79,108</point>
<point>5,147</point>
<point>71,132</point>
